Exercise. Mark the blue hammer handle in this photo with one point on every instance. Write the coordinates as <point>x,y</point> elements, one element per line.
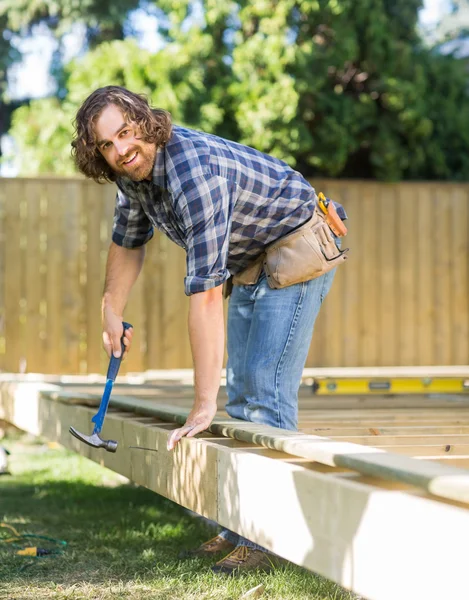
<point>112,371</point>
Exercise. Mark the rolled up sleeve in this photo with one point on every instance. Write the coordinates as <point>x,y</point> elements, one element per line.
<point>205,207</point>
<point>131,227</point>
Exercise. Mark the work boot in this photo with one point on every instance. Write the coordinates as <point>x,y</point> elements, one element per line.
<point>245,558</point>
<point>214,546</point>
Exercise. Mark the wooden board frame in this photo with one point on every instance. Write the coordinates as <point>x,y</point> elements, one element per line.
<point>381,542</point>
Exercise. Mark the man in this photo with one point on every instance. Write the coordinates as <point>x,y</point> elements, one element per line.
<point>224,203</point>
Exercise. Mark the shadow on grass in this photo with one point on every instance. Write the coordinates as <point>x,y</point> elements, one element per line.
<point>122,540</point>
<point>123,532</point>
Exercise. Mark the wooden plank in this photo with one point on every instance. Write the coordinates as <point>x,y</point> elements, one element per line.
<point>4,187</point>
<point>308,424</point>
<point>406,440</point>
<point>388,276</point>
<point>428,451</point>
<point>370,256</point>
<point>93,205</point>
<point>54,281</point>
<point>35,346</point>
<point>242,512</point>
<point>329,521</point>
<point>371,401</point>
<point>379,431</point>
<point>443,292</point>
<point>459,278</point>
<point>352,294</point>
<point>175,308</point>
<point>366,460</point>
<point>14,324</point>
<point>153,296</point>
<point>350,297</point>
<point>376,416</point>
<point>406,266</point>
<point>426,282</point>
<point>72,298</point>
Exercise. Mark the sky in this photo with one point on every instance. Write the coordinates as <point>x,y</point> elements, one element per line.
<point>433,11</point>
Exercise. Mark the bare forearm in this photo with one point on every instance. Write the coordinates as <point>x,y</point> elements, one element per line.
<point>207,337</point>
<point>122,269</point>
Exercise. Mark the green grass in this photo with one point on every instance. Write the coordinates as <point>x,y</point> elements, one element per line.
<point>122,540</point>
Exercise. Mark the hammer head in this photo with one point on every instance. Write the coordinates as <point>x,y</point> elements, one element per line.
<point>94,440</point>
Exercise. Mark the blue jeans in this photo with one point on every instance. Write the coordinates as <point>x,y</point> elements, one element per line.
<point>269,334</point>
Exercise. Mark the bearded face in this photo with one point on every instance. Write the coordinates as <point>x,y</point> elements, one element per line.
<point>122,148</point>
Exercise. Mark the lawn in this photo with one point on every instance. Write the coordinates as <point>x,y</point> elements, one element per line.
<point>122,540</point>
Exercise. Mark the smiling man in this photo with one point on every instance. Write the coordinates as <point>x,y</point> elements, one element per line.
<point>235,211</point>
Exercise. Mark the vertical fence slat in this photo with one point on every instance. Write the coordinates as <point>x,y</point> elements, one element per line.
<point>350,300</point>
<point>442,240</point>
<point>174,309</point>
<point>93,202</point>
<point>369,274</point>
<point>134,313</point>
<point>406,265</point>
<point>4,198</point>
<point>459,244</point>
<point>34,349</point>
<point>426,283</point>
<point>153,303</point>
<point>14,328</point>
<point>54,280</point>
<point>387,281</point>
<point>72,305</point>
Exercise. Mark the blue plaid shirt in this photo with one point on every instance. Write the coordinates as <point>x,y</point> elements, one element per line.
<point>221,201</point>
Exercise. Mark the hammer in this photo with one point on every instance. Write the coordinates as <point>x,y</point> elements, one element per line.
<point>94,440</point>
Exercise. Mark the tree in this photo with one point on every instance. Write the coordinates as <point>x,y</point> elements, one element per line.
<point>341,88</point>
<point>103,20</point>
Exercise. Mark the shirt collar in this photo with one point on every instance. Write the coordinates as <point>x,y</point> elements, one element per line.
<point>159,169</point>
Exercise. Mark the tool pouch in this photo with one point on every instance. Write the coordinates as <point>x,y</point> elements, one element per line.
<point>303,254</point>
<point>251,273</point>
<point>248,276</point>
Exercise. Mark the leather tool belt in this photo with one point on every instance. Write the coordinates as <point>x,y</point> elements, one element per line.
<point>305,253</point>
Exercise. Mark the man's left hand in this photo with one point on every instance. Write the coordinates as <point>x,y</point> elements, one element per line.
<point>198,420</point>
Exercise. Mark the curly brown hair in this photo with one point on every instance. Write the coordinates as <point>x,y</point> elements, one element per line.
<point>154,125</point>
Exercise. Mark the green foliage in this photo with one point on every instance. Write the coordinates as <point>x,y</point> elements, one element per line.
<point>340,88</point>
<point>103,20</point>
<point>60,15</point>
<point>41,139</point>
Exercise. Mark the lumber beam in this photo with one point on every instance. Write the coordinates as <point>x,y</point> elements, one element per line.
<point>380,543</point>
<point>441,480</point>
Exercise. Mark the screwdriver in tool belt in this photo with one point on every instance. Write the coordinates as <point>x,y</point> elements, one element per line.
<point>323,203</point>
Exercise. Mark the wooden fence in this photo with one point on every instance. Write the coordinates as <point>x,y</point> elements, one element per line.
<point>402,298</point>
